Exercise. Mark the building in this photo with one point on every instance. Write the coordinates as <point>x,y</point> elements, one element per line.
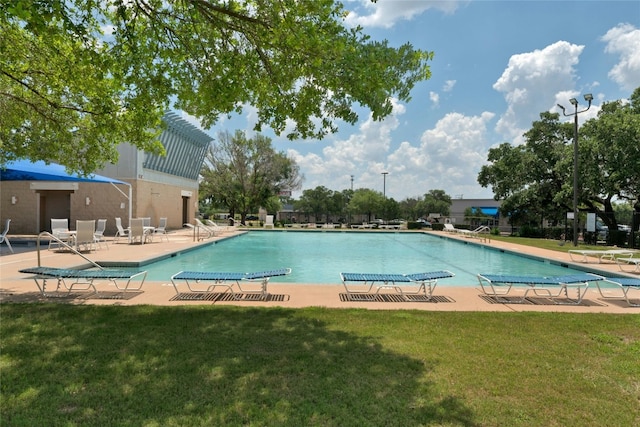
<point>139,185</point>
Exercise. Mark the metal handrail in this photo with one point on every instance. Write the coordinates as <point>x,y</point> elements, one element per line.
<point>65,245</point>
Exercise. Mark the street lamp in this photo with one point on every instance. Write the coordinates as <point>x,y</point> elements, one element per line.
<point>384,184</point>
<point>384,194</point>
<point>587,97</point>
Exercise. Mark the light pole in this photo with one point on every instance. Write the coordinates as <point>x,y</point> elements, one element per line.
<point>384,184</point>
<point>587,97</point>
<point>384,194</point>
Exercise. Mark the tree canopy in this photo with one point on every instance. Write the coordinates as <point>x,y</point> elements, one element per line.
<point>535,179</point>
<point>79,77</point>
<point>242,174</point>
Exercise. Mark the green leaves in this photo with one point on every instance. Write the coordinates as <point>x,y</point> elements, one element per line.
<point>106,72</point>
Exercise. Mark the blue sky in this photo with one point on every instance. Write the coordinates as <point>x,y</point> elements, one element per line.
<point>497,65</point>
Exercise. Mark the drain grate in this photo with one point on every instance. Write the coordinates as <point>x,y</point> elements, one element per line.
<point>393,298</point>
<point>226,296</point>
<point>538,301</point>
<point>112,295</point>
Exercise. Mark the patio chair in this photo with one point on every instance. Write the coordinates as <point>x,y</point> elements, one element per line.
<point>161,229</point>
<point>137,231</point>
<point>99,233</point>
<point>269,222</point>
<point>85,235</point>
<point>122,232</point>
<point>3,236</point>
<point>60,230</point>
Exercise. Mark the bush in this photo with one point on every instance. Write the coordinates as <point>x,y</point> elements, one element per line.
<point>437,226</point>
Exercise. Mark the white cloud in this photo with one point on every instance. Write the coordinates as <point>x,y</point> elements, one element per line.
<point>531,81</point>
<point>435,98</point>
<point>447,157</point>
<point>386,13</point>
<point>448,85</point>
<point>624,40</point>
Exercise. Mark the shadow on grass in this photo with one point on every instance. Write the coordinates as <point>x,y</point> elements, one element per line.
<point>103,365</point>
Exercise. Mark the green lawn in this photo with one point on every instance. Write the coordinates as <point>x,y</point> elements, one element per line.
<point>66,365</point>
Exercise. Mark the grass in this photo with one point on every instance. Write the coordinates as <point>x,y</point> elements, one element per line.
<point>67,365</point>
<point>552,245</point>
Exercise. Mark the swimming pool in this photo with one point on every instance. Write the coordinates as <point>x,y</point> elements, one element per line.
<point>319,258</point>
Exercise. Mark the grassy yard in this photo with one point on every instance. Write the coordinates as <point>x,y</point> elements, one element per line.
<point>211,365</point>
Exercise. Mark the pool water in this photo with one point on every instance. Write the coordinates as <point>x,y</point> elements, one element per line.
<point>319,258</point>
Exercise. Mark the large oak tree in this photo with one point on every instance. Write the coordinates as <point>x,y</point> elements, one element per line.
<point>79,77</point>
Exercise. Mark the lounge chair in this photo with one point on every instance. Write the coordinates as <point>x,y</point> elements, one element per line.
<point>556,288</point>
<point>228,281</point>
<point>85,235</point>
<point>449,228</point>
<point>629,261</point>
<point>99,233</point>
<point>218,228</point>
<point>210,232</point>
<point>122,232</point>
<point>360,285</point>
<point>625,284</point>
<point>610,254</point>
<point>269,222</point>
<point>84,279</point>
<point>3,236</point>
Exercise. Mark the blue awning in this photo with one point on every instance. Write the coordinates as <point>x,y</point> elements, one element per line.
<point>490,211</point>
<point>25,170</point>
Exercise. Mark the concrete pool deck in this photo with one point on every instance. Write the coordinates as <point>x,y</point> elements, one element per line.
<point>19,287</point>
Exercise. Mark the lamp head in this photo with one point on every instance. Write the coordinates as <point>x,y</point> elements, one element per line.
<point>588,97</point>
<point>573,101</point>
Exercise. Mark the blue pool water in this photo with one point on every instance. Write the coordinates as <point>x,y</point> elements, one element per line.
<point>319,258</point>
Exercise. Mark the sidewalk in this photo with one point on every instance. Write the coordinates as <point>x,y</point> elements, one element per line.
<point>16,286</point>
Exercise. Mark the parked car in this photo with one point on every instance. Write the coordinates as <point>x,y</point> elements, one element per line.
<point>252,218</point>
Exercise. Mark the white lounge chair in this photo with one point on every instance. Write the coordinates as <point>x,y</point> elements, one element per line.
<point>625,284</point>
<point>629,261</point>
<point>208,230</point>
<point>226,280</point>
<point>499,286</point>
<point>609,254</point>
<point>219,228</point>
<point>269,222</point>
<point>449,228</point>
<point>122,232</point>
<point>359,285</point>
<point>3,236</point>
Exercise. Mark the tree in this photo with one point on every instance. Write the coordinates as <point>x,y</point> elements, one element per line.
<point>435,201</point>
<point>71,91</point>
<point>536,179</point>
<point>244,174</point>
<point>610,158</point>
<point>366,201</point>
<point>318,201</point>
<point>533,179</point>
